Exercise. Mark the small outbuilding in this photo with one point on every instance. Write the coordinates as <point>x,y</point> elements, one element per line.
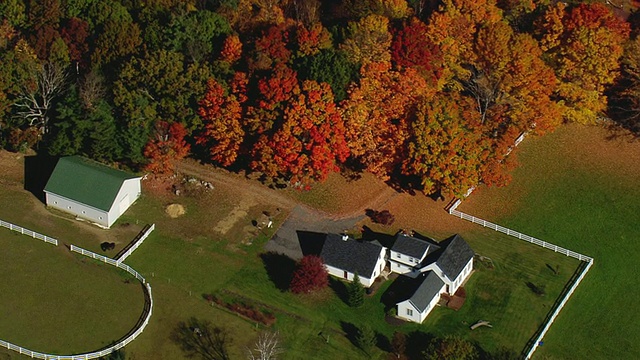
<point>90,190</point>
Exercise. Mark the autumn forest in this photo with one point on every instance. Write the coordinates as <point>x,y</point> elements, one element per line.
<point>430,95</point>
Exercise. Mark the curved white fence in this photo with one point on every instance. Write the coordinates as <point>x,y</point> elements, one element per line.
<point>148,310</point>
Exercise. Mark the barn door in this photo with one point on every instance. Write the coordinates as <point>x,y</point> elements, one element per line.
<point>124,204</point>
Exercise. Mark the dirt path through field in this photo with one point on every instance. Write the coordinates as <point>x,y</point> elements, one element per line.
<point>252,192</point>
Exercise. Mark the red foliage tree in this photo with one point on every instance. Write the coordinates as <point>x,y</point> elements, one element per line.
<point>310,275</point>
<point>272,47</point>
<point>166,147</point>
<point>75,34</point>
<point>274,91</point>
<point>308,143</point>
<point>412,48</point>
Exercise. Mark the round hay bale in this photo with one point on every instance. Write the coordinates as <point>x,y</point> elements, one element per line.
<point>175,210</point>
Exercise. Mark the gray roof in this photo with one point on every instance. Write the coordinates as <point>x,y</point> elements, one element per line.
<point>428,289</point>
<point>350,255</point>
<point>411,246</point>
<point>454,257</point>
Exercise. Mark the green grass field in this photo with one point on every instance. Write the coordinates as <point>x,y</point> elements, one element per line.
<point>209,263</point>
<point>184,259</point>
<point>584,198</point>
<point>61,303</point>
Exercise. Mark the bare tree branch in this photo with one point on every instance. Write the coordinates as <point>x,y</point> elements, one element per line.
<point>92,89</point>
<point>266,348</point>
<point>35,102</point>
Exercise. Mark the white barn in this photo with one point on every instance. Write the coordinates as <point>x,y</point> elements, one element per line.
<point>343,257</point>
<point>90,190</point>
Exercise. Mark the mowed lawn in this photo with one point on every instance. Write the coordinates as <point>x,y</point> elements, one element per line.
<point>205,261</point>
<point>56,302</point>
<point>189,256</point>
<point>579,189</point>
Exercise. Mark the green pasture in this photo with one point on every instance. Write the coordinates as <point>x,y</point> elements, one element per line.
<point>591,207</point>
<point>185,258</point>
<point>56,302</point>
<point>209,263</point>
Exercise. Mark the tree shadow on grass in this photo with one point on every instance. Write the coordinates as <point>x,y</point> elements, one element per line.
<point>197,337</point>
<point>37,171</point>
<point>340,289</point>
<point>280,269</point>
<point>417,342</point>
<point>351,332</point>
<point>383,342</point>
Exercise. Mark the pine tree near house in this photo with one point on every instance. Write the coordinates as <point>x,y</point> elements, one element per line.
<point>355,290</point>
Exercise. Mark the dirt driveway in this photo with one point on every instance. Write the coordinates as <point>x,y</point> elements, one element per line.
<point>302,218</point>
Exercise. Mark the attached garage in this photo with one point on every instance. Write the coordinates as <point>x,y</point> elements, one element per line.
<point>90,190</point>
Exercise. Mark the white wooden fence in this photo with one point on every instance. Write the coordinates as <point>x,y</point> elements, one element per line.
<point>519,235</point>
<point>553,316</point>
<point>137,242</point>
<point>109,261</point>
<point>94,355</point>
<point>452,210</point>
<point>28,232</point>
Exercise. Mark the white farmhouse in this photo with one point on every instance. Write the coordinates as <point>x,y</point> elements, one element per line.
<point>343,257</point>
<point>90,190</point>
<point>440,269</point>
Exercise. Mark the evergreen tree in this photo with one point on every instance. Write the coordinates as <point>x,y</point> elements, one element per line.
<point>356,292</point>
<point>366,339</point>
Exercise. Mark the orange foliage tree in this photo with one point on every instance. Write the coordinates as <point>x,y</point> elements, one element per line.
<point>231,49</point>
<point>166,147</point>
<point>222,132</point>
<point>584,44</point>
<point>444,153</point>
<point>375,115</point>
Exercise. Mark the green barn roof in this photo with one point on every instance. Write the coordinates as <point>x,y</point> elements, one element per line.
<point>86,181</point>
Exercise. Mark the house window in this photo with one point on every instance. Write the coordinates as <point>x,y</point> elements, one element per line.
<point>100,217</point>
<point>84,212</point>
<point>55,202</point>
<point>68,207</point>
<point>411,260</point>
<point>346,275</point>
<point>409,312</point>
<point>398,255</point>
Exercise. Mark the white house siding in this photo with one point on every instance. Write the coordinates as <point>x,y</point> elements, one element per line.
<point>75,208</point>
<point>367,282</point>
<point>407,311</point>
<point>404,259</point>
<point>464,274</point>
<point>401,268</point>
<point>339,273</point>
<point>128,194</point>
<point>418,316</point>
